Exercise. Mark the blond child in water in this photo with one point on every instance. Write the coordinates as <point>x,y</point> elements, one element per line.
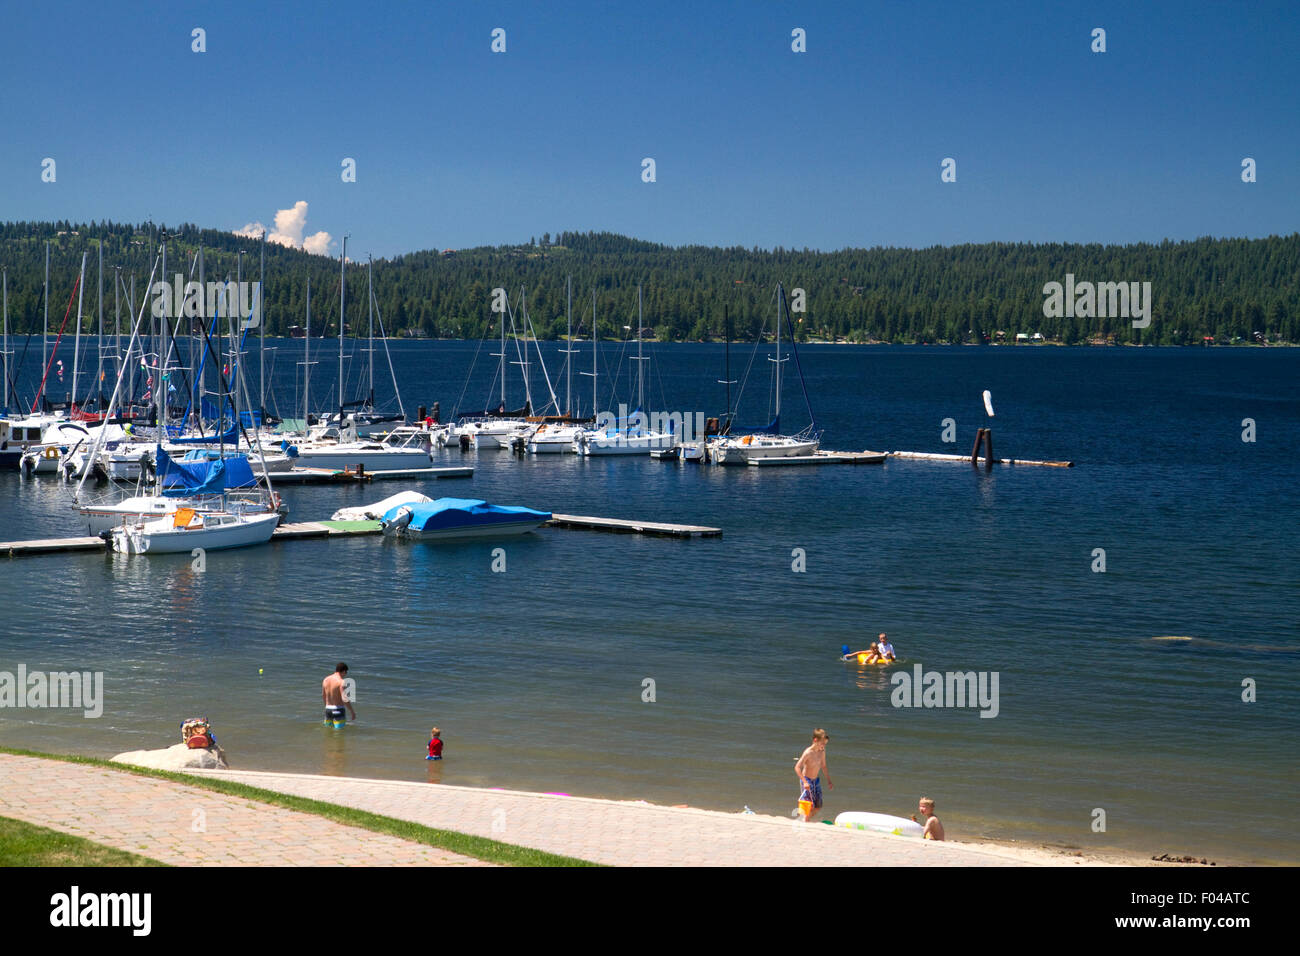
<point>933,828</point>
<point>809,768</point>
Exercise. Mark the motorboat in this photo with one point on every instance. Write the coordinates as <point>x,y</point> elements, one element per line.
<point>450,518</point>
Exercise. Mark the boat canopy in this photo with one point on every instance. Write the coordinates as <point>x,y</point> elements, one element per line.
<point>203,475</point>
<point>460,512</point>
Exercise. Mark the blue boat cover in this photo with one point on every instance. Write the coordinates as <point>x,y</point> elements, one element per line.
<point>202,475</point>
<point>448,513</point>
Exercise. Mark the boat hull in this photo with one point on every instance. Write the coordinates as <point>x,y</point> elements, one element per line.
<point>381,459</point>
<point>739,454</point>
<point>155,537</point>
<point>498,530</point>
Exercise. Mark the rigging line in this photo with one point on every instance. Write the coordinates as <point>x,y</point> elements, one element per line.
<point>456,411</point>
<point>795,349</point>
<point>387,354</point>
<point>744,379</point>
<point>41,391</point>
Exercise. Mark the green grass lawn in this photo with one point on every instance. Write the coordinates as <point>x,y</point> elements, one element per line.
<point>22,844</point>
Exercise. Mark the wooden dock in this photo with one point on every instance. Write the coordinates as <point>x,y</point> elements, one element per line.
<point>292,531</point>
<point>586,523</point>
<point>18,549</point>
<point>927,456</point>
<point>824,458</point>
<point>307,476</point>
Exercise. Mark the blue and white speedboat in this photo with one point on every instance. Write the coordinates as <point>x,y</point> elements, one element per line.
<point>460,518</point>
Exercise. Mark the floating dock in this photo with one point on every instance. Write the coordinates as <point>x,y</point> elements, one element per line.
<point>824,458</point>
<point>659,529</point>
<point>927,456</point>
<point>307,476</point>
<point>18,549</point>
<point>290,531</point>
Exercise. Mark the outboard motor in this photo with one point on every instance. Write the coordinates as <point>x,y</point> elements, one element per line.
<point>399,522</point>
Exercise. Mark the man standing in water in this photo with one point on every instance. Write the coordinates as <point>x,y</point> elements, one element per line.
<point>334,693</point>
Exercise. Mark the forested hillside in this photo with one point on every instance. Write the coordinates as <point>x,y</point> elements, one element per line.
<point>1230,289</point>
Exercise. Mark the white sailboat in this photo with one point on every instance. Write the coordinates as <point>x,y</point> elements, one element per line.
<point>768,442</point>
<point>236,522</point>
<point>336,444</point>
<point>632,436</point>
<point>559,437</point>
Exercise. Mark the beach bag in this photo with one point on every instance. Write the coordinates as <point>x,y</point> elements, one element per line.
<point>197,733</point>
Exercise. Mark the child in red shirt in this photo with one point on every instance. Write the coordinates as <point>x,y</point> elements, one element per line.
<point>435,745</point>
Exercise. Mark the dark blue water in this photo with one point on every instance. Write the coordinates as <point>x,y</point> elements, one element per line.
<point>535,675</point>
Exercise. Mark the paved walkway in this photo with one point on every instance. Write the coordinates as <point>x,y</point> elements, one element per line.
<point>635,833</point>
<point>189,826</point>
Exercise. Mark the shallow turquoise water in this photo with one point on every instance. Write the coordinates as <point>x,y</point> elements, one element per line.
<point>535,675</point>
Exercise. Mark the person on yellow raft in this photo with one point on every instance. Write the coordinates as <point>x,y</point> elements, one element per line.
<point>880,652</point>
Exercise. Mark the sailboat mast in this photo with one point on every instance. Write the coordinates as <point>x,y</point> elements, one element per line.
<point>197,403</point>
<point>99,339</point>
<point>4,406</point>
<point>780,297</point>
<point>343,278</point>
<point>160,386</point>
<point>523,311</point>
<point>504,363</point>
<point>640,359</point>
<point>306,360</point>
<point>568,364</point>
<point>117,318</point>
<point>45,331</point>
<point>594,399</point>
<point>76,346</point>
<point>726,323</point>
<point>370,299</point>
<point>261,334</point>
<point>223,311</point>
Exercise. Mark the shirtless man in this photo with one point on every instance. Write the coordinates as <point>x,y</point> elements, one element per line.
<point>809,768</point>
<point>331,692</point>
<point>933,828</point>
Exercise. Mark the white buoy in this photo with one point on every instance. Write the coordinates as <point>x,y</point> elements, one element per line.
<point>988,402</point>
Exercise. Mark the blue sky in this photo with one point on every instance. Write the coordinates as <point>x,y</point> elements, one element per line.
<point>754,144</point>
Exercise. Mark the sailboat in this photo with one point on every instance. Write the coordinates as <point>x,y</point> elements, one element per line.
<point>498,428</point>
<point>768,442</point>
<point>558,437</point>
<point>633,436</point>
<point>366,418</point>
<point>337,444</point>
<point>233,525</point>
<point>206,515</point>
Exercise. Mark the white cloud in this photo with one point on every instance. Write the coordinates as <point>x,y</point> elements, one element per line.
<point>318,244</point>
<point>289,227</point>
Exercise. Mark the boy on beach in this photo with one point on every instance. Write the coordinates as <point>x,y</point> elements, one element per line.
<point>435,745</point>
<point>933,828</point>
<point>809,768</point>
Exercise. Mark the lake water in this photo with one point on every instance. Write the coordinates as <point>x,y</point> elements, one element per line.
<point>535,675</point>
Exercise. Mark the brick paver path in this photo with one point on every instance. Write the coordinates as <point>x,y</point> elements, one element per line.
<point>189,826</point>
<point>633,833</point>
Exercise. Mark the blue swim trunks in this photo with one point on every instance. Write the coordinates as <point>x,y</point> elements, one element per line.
<point>812,790</point>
